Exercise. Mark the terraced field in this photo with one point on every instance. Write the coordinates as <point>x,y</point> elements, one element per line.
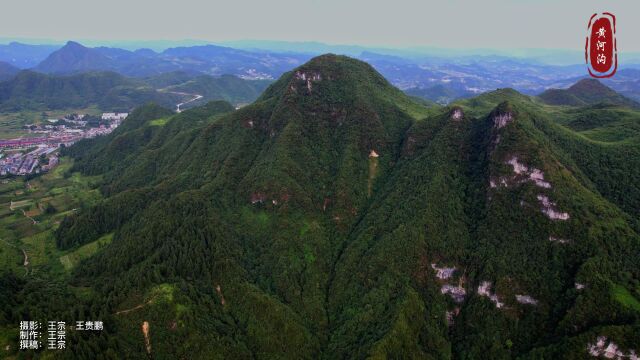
<point>31,210</point>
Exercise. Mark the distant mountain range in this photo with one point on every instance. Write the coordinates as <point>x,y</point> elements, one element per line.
<point>208,59</point>
<point>436,78</point>
<point>25,56</point>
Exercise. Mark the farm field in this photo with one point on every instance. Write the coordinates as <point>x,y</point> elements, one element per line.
<point>30,211</point>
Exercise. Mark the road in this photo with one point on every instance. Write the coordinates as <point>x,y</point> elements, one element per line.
<point>195,97</point>
<point>178,106</point>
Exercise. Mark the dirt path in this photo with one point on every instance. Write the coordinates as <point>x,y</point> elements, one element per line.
<point>137,307</point>
<point>29,217</point>
<point>26,258</point>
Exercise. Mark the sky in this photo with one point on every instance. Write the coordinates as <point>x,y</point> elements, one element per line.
<point>495,24</point>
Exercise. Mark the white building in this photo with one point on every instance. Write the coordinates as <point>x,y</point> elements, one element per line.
<point>114,116</point>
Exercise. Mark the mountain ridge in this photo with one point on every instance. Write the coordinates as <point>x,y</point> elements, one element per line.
<point>336,218</point>
<point>586,92</point>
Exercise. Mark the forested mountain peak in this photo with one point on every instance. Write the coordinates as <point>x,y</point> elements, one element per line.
<point>591,87</point>
<point>586,92</point>
<point>336,218</point>
<point>335,75</point>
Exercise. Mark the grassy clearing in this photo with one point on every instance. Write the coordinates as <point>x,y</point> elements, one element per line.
<point>158,122</point>
<point>624,297</point>
<point>70,260</point>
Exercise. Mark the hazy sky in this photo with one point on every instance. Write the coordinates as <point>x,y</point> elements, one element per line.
<point>499,24</point>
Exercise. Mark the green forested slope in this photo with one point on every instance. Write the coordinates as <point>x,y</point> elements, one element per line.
<point>318,223</point>
<point>226,87</point>
<point>36,91</point>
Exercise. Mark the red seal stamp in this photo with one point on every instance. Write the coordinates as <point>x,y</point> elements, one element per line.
<point>600,49</point>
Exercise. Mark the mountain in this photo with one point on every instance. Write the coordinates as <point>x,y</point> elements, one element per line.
<point>226,87</point>
<point>625,82</point>
<point>7,71</point>
<point>440,94</point>
<point>108,90</point>
<point>25,56</point>
<point>466,75</point>
<point>336,218</point>
<point>586,92</point>
<point>169,78</point>
<point>220,60</point>
<point>74,58</point>
<point>207,59</point>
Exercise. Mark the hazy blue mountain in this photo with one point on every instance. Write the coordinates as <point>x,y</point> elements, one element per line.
<point>463,74</point>
<point>73,58</point>
<point>219,60</point>
<point>7,71</point>
<point>209,59</point>
<point>24,55</point>
<point>441,94</point>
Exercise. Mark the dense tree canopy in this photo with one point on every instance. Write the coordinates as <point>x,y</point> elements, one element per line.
<point>336,218</point>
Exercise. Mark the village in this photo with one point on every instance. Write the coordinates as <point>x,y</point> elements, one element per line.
<point>39,152</point>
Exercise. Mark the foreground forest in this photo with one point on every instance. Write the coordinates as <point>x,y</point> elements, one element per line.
<point>336,218</point>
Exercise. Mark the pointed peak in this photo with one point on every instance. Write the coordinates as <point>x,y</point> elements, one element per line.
<point>73,44</point>
<point>343,77</point>
<point>588,83</point>
<point>591,88</point>
<point>586,92</point>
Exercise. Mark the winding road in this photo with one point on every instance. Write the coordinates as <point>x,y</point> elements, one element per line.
<point>178,106</point>
<point>195,97</point>
<point>140,306</point>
